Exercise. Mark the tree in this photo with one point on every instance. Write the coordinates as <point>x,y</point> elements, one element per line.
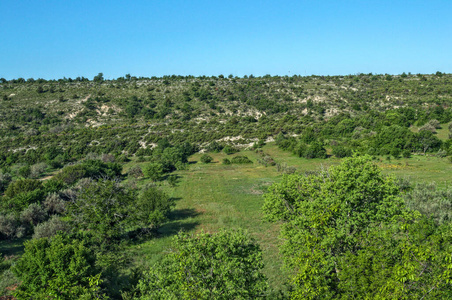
<point>350,197</point>
<point>57,269</point>
<point>99,77</point>
<point>103,209</point>
<point>225,265</point>
<point>153,170</point>
<point>152,208</point>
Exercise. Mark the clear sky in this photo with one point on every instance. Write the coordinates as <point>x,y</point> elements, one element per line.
<point>53,39</point>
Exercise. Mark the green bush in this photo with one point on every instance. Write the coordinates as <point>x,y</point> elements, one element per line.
<point>60,266</point>
<point>340,152</point>
<point>153,170</point>
<point>152,208</point>
<point>22,186</point>
<point>206,158</point>
<point>225,265</point>
<point>239,159</point>
<point>50,228</point>
<point>230,150</point>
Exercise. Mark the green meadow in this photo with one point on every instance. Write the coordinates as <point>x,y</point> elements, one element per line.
<point>213,196</point>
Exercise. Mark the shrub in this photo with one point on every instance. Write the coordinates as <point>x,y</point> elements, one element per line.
<point>152,208</point>
<point>431,201</point>
<point>53,204</point>
<point>70,174</point>
<point>340,152</point>
<point>37,170</point>
<point>136,171</point>
<point>58,266</point>
<point>10,226</point>
<point>24,171</point>
<point>434,123</point>
<point>22,186</point>
<point>225,265</point>
<point>214,147</point>
<point>206,158</point>
<point>226,161</point>
<point>102,209</point>
<point>23,200</point>
<point>315,150</point>
<point>428,127</point>
<point>5,179</point>
<point>33,215</point>
<point>50,228</point>
<point>239,159</point>
<point>406,153</point>
<point>230,150</point>
<point>153,170</point>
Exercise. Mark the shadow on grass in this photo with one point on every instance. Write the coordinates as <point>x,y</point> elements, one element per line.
<point>12,247</point>
<point>178,222</point>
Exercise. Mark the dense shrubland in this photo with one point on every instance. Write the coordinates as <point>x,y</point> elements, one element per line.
<point>375,236</point>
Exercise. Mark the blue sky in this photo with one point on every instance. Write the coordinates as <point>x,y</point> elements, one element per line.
<point>56,39</point>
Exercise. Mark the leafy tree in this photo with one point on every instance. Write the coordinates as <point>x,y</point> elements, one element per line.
<point>153,170</point>
<point>315,150</point>
<point>103,209</point>
<point>152,208</point>
<point>350,197</point>
<point>409,259</point>
<point>225,265</point>
<point>57,269</point>
<point>99,77</point>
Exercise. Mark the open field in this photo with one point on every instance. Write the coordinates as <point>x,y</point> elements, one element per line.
<point>213,196</point>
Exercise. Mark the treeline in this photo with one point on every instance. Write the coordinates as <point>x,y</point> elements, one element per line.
<point>386,133</point>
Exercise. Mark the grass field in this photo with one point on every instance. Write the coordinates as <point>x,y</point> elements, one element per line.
<point>213,196</point>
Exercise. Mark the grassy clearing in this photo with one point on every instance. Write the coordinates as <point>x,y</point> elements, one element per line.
<point>213,196</point>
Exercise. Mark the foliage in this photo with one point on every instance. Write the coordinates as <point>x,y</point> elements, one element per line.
<point>406,260</point>
<point>57,268</point>
<point>230,150</point>
<point>102,209</point>
<point>340,152</point>
<point>50,228</point>
<point>152,208</point>
<point>351,197</point>
<point>206,158</point>
<point>225,265</point>
<point>431,201</point>
<point>22,186</point>
<point>10,226</point>
<point>153,170</point>
<point>241,159</point>
<point>5,179</point>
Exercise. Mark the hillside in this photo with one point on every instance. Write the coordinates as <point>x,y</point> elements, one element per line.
<point>122,166</point>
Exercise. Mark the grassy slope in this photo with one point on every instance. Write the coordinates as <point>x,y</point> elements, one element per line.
<point>212,196</point>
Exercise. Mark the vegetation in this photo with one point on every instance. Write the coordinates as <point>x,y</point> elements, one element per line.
<point>112,188</point>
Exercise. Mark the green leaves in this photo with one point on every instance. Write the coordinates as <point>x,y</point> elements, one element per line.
<point>225,265</point>
<point>328,216</point>
<point>103,209</point>
<point>56,269</point>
